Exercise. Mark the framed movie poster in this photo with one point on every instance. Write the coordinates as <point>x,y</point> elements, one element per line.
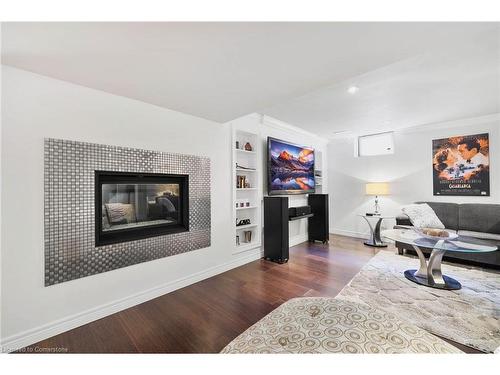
<point>461,165</point>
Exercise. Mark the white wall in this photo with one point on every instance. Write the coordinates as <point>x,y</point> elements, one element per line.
<point>35,107</point>
<point>408,170</point>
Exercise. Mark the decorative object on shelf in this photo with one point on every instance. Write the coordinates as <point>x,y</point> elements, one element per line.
<point>242,167</point>
<point>461,165</point>
<point>248,236</point>
<point>248,147</point>
<point>243,203</point>
<point>237,240</point>
<point>377,188</point>
<point>243,222</point>
<point>241,182</point>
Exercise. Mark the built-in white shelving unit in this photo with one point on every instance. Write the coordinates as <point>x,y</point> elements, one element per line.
<point>255,129</point>
<point>318,171</point>
<point>246,208</point>
<point>247,183</point>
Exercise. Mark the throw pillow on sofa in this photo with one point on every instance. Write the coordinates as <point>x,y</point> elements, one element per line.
<point>422,216</point>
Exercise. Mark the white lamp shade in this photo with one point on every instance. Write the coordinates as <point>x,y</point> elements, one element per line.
<point>377,188</point>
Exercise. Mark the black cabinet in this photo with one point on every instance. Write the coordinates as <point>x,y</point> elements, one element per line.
<point>318,226</point>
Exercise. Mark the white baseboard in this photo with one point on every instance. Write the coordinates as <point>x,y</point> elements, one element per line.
<point>34,335</point>
<point>297,239</point>
<point>348,233</point>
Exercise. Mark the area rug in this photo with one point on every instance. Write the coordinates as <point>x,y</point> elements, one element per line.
<point>469,316</point>
<point>331,325</point>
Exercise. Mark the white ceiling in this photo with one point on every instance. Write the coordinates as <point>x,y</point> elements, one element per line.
<point>296,72</point>
<point>439,85</point>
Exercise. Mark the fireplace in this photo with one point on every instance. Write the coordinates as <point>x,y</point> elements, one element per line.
<point>132,206</point>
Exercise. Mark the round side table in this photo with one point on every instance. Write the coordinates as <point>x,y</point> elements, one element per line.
<point>375,239</point>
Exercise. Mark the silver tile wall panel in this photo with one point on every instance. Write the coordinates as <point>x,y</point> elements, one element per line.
<point>69,226</point>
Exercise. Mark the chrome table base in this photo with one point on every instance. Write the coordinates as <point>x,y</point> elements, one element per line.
<point>449,283</point>
<point>429,273</point>
<point>375,239</point>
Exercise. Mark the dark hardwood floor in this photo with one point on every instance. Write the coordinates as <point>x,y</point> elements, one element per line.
<point>206,316</point>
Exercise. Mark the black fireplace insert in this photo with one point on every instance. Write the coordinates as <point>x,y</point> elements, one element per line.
<point>132,206</point>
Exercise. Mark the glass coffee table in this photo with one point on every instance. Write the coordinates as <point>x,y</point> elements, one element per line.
<point>429,273</point>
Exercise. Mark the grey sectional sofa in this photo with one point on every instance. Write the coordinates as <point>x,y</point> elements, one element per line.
<point>480,221</point>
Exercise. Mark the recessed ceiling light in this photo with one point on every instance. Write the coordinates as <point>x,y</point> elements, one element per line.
<point>353,90</point>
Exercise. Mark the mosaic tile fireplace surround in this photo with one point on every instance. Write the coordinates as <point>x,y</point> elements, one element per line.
<point>71,247</point>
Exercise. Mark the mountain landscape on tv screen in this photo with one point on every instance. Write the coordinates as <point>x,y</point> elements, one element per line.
<point>291,167</point>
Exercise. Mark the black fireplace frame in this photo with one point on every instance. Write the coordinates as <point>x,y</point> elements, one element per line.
<point>132,234</point>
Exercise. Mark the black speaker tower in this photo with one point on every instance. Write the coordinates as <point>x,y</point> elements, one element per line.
<point>318,226</point>
<point>276,229</point>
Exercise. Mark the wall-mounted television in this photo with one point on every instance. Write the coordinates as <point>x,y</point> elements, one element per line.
<point>290,168</point>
